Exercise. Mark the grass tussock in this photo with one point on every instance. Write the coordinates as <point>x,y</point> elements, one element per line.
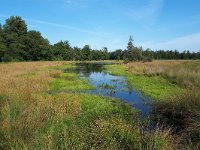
<point>160,79</point>
<point>154,86</point>
<point>183,73</point>
<point>177,84</point>
<point>181,110</point>
<point>70,82</point>
<point>182,113</point>
<point>30,118</point>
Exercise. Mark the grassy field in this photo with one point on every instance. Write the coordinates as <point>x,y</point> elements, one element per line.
<point>31,118</point>
<point>154,86</point>
<point>175,88</point>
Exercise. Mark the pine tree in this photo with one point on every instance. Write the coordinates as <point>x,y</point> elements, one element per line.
<point>130,44</point>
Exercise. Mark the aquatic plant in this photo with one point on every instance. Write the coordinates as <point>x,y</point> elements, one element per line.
<point>30,118</point>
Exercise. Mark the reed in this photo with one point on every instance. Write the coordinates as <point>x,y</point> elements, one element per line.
<point>175,86</point>
<point>184,73</point>
<point>30,118</point>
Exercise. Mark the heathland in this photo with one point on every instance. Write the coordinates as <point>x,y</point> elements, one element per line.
<point>42,106</point>
<point>33,115</point>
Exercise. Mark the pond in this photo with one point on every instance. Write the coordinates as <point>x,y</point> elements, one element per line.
<point>114,86</point>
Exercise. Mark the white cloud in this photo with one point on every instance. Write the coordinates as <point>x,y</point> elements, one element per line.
<point>93,32</point>
<point>188,42</point>
<point>47,23</point>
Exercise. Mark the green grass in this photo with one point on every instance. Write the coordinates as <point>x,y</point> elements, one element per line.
<point>182,112</point>
<point>156,87</point>
<point>65,81</point>
<point>177,84</point>
<point>70,82</point>
<point>62,67</point>
<point>73,120</point>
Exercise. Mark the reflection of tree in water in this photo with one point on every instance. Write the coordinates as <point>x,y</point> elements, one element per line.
<point>88,68</point>
<point>111,85</point>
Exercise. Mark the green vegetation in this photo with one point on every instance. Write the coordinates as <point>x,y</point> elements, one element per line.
<point>65,81</point>
<point>182,114</point>
<point>175,85</point>
<point>19,44</point>
<point>70,82</point>
<point>33,119</point>
<point>156,87</point>
<point>106,86</point>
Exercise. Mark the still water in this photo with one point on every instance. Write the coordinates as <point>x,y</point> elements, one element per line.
<point>114,86</point>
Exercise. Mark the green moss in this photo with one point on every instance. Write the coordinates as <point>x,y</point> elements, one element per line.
<point>70,81</point>
<point>105,105</point>
<point>155,86</point>
<point>99,123</point>
<point>119,70</point>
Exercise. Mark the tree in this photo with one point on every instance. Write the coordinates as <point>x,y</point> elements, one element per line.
<point>86,53</point>
<point>18,44</point>
<point>62,51</point>
<point>36,47</point>
<point>105,54</point>
<point>15,25</point>
<point>2,45</point>
<point>130,44</point>
<point>11,35</point>
<point>1,29</point>
<point>76,53</point>
<point>116,55</point>
<point>133,53</point>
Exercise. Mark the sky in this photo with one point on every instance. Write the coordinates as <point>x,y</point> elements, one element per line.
<point>155,24</point>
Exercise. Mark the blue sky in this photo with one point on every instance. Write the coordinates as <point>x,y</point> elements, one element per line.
<point>157,24</point>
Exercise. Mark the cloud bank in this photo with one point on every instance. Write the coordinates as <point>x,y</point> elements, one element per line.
<point>188,42</point>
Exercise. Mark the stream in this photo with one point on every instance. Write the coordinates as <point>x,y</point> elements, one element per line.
<point>114,86</point>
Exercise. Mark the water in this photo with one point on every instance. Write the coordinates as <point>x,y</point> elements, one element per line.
<point>107,84</point>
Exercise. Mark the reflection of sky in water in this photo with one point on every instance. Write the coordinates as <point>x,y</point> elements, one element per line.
<point>118,87</point>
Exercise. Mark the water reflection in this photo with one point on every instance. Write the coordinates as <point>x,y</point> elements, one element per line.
<point>111,85</point>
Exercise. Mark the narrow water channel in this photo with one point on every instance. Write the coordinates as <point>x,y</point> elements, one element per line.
<point>107,84</point>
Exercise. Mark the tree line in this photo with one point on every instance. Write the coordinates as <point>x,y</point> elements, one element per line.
<point>19,44</point>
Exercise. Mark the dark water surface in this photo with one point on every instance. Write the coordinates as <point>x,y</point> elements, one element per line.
<point>114,86</point>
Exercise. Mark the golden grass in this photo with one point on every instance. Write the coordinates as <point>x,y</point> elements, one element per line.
<point>32,119</point>
<point>182,72</point>
<point>25,106</point>
<point>17,79</point>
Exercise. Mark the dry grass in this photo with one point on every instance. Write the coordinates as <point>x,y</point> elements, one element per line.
<point>182,72</point>
<point>151,68</point>
<point>32,119</point>
<point>180,111</point>
<point>24,106</point>
<point>55,73</point>
<point>18,79</point>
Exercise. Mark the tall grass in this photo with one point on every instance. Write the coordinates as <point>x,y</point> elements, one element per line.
<point>181,111</point>
<point>154,86</point>
<point>30,118</point>
<point>183,73</point>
